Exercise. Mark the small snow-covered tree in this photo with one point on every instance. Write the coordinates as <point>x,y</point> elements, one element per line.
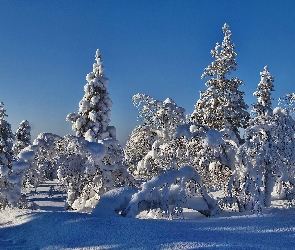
<point>22,137</point>
<point>80,171</point>
<point>263,93</point>
<point>92,123</point>
<point>160,120</point>
<point>93,117</point>
<point>222,104</point>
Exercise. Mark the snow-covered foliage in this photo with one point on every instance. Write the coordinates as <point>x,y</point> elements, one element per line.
<point>13,192</point>
<point>43,166</point>
<point>139,144</point>
<point>288,103</point>
<point>160,117</point>
<point>22,137</point>
<point>210,152</point>
<point>222,104</point>
<point>170,193</point>
<point>93,117</point>
<point>160,120</point>
<point>263,93</point>
<point>94,177</point>
<point>81,171</point>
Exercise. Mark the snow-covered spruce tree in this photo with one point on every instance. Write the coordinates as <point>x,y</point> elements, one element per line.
<point>93,117</point>
<point>160,120</point>
<point>265,159</point>
<point>6,139</point>
<point>263,93</point>
<point>6,156</point>
<point>253,164</point>
<point>22,137</point>
<point>92,123</point>
<point>222,104</point>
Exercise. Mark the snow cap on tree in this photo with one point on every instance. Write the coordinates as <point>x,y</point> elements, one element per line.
<point>263,93</point>
<point>93,117</point>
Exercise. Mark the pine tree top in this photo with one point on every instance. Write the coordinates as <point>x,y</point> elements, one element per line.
<point>225,57</point>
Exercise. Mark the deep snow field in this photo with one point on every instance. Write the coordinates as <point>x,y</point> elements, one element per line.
<point>50,227</point>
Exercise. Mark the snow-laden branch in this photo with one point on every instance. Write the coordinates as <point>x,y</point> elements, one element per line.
<point>169,189</point>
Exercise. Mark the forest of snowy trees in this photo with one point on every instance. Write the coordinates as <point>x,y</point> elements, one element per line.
<point>225,155</point>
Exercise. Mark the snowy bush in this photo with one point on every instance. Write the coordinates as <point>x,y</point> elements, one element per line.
<point>170,193</point>
<point>79,168</point>
<point>44,164</point>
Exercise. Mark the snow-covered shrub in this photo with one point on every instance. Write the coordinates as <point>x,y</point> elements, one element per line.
<point>170,193</point>
<point>80,171</point>
<point>222,104</point>
<point>14,193</point>
<point>44,165</point>
<point>88,170</point>
<point>22,137</point>
<point>139,144</point>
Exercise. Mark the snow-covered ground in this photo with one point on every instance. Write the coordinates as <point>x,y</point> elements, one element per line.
<point>51,227</point>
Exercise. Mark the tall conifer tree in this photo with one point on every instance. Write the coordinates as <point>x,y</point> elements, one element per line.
<point>222,104</point>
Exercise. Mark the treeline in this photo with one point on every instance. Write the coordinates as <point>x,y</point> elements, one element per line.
<point>223,155</point>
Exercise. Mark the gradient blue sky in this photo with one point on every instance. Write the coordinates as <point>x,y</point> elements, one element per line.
<point>159,48</point>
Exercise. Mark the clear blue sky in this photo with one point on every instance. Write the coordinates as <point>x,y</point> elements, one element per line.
<point>159,48</point>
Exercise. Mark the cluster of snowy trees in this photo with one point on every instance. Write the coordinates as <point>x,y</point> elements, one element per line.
<point>223,155</point>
